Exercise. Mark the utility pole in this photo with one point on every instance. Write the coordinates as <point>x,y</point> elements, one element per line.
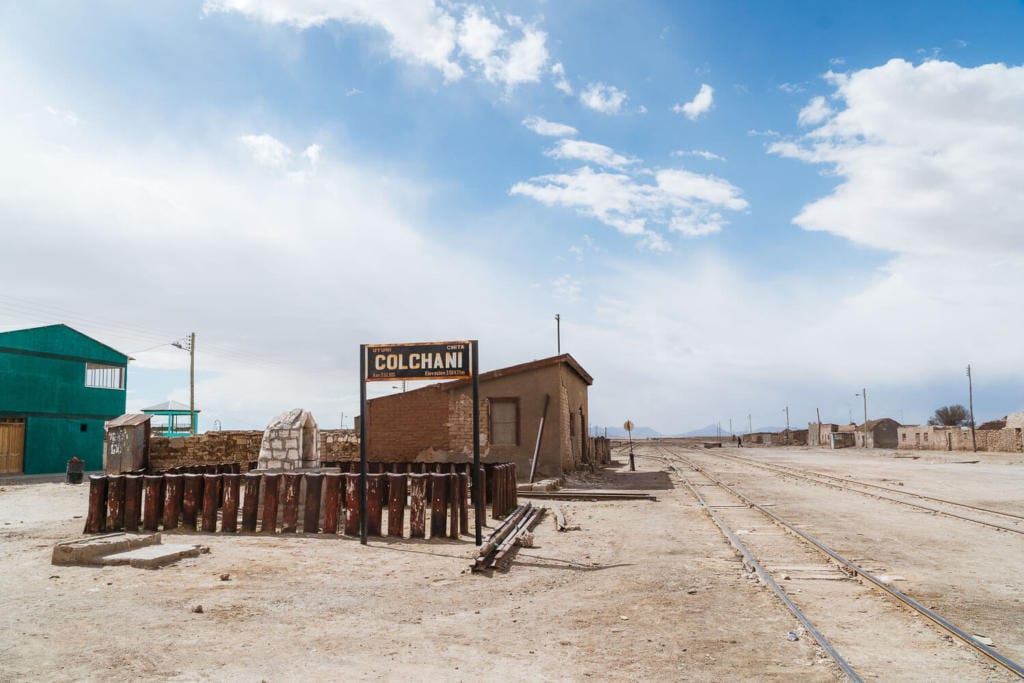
<point>970,393</point>
<point>730,428</point>
<point>787,425</point>
<point>864,393</point>
<point>750,428</point>
<point>192,382</point>
<point>558,332</point>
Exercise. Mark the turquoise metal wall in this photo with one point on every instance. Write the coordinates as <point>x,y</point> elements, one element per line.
<point>42,378</point>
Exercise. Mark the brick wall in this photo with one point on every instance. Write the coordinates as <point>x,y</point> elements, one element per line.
<point>927,437</point>
<point>413,425</point>
<point>338,445</point>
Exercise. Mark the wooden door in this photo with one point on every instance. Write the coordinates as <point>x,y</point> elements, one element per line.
<point>12,445</point>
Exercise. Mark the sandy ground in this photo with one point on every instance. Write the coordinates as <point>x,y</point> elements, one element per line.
<point>644,591</point>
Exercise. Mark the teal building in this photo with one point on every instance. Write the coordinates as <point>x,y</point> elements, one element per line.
<point>57,388</point>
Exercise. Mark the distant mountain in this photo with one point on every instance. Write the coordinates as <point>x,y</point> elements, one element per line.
<point>651,433</point>
<point>620,433</point>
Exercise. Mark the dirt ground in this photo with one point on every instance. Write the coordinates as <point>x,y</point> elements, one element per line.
<point>643,591</point>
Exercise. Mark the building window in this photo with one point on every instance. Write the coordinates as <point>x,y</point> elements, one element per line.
<point>904,436</point>
<point>504,421</point>
<point>926,438</point>
<point>104,376</point>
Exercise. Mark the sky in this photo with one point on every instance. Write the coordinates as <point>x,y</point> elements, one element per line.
<point>734,207</point>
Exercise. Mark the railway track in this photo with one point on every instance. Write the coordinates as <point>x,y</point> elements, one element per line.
<point>1007,521</point>
<point>819,591</point>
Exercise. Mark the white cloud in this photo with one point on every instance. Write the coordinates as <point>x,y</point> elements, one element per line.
<point>641,109</point>
<point>266,149</point>
<point>352,92</point>
<point>561,82</point>
<point>420,32</point>
<point>542,126</point>
<point>702,153</point>
<point>606,99</point>
<point>685,202</point>
<point>64,115</point>
<point>928,157</point>
<point>792,88</point>
<point>590,152</point>
<point>312,153</point>
<point>816,111</point>
<point>700,104</point>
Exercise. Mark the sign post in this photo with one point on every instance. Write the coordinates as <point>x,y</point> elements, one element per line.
<point>419,361</point>
<point>628,426</point>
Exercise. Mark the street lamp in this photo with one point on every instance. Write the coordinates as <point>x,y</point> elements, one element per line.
<point>864,394</point>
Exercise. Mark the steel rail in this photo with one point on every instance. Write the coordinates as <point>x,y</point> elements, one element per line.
<point>935,618</point>
<point>798,473</point>
<point>751,562</point>
<point>913,494</point>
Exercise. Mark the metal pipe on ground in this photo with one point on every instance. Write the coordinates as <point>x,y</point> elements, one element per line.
<point>96,519</point>
<point>191,500</point>
<point>229,514</point>
<point>132,502</point>
<point>499,535</point>
<point>271,493</point>
<point>374,504</point>
<point>332,501</point>
<point>351,504</point>
<point>151,501</point>
<point>251,502</point>
<point>211,495</point>
<point>115,502</point>
<point>290,512</point>
<point>438,503</point>
<point>418,505</point>
<point>397,489</point>
<point>314,489</point>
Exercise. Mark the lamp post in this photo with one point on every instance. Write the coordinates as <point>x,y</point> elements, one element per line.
<point>558,332</point>
<point>864,393</point>
<point>786,409</point>
<point>970,394</point>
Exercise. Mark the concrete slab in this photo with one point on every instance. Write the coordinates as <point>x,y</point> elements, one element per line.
<point>87,551</point>
<point>154,556</point>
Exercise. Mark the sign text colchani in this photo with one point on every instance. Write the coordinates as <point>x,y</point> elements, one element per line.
<point>430,360</point>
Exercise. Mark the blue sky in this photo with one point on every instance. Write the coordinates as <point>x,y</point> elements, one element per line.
<point>734,206</point>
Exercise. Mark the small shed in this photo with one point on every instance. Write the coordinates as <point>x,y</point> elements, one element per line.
<point>291,441</point>
<point>126,443</point>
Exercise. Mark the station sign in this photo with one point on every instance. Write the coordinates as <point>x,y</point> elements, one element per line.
<point>427,360</point>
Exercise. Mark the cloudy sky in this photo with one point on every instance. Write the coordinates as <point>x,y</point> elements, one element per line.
<point>734,206</point>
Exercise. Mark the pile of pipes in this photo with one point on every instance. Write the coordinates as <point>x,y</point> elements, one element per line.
<point>271,502</point>
<point>496,547</point>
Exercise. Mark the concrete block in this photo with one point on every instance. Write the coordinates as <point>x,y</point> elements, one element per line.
<point>153,556</point>
<point>89,550</point>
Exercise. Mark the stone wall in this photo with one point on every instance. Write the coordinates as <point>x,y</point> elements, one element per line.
<point>208,448</point>
<point>215,448</point>
<point>927,437</point>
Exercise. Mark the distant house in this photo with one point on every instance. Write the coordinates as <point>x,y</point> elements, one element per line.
<point>57,389</point>
<point>434,423</point>
<point>881,433</point>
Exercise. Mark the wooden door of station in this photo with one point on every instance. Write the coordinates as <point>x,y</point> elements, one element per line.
<point>12,445</point>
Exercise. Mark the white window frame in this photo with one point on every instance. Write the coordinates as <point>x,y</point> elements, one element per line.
<point>102,376</point>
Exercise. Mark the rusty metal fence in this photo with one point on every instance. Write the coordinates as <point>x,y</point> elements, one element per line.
<point>310,503</point>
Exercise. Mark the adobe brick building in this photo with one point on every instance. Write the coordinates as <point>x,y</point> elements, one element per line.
<point>435,423</point>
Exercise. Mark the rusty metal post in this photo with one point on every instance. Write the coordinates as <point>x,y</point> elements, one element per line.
<point>271,489</point>
<point>173,490</point>
<point>191,500</point>
<point>151,501</point>
<point>464,502</point>
<point>132,502</point>
<point>351,504</point>
<point>332,501</point>
<point>438,504</point>
<point>314,487</point>
<point>290,514</point>
<point>481,500</point>
<point>251,503</point>
<point>96,521</point>
<point>418,506</point>
<point>495,485</point>
<point>396,505</point>
<point>374,503</point>
<point>513,485</point>
<point>455,505</point>
<point>229,514</point>
<point>211,492</point>
<point>115,502</point>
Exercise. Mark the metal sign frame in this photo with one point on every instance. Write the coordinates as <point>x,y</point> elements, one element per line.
<point>420,361</point>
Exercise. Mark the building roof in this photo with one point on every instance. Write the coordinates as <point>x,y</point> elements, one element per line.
<point>128,420</point>
<point>62,340</point>
<point>168,406</point>
<point>527,367</point>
